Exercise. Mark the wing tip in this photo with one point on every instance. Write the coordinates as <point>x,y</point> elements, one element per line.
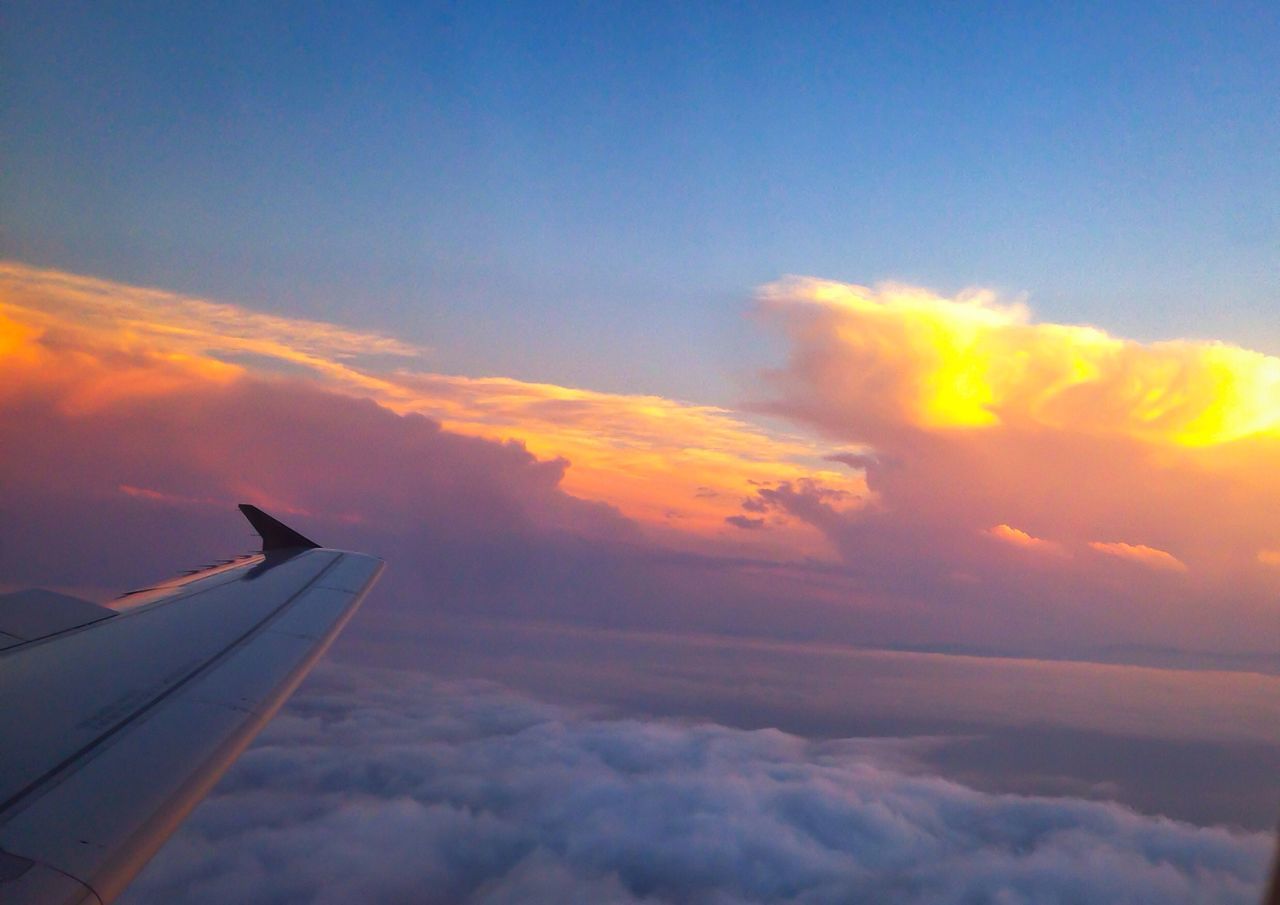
<point>275,534</point>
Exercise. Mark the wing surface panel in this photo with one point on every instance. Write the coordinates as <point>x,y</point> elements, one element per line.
<point>125,724</point>
<point>62,694</point>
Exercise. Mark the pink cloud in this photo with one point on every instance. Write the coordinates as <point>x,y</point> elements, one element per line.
<point>660,461</point>
<point>1141,554</point>
<point>498,523</point>
<point>978,416</point>
<point>1019,538</point>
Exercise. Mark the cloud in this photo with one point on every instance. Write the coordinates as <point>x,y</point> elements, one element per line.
<point>1269,557</point>
<point>120,427</point>
<point>1019,538</point>
<point>904,354</point>
<point>170,466</point>
<point>807,499</point>
<point>133,453</point>
<point>376,786</point>
<point>856,460</point>
<point>660,461</point>
<point>125,405</point>
<point>646,454</point>
<point>1141,554</point>
<point>977,415</point>
<point>83,311</point>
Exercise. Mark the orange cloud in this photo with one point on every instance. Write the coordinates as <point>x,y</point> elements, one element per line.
<point>1269,557</point>
<point>658,459</point>
<point>41,354</point>
<point>904,355</point>
<point>1003,420</point>
<point>939,418</point>
<point>1150,557</point>
<point>1019,538</point>
<point>672,465</point>
<point>977,416</point>
<point>136,316</point>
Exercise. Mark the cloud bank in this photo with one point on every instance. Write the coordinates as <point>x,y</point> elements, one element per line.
<point>668,464</point>
<point>131,414</point>
<point>130,441</point>
<point>1064,438</point>
<point>385,787</point>
<point>965,446</point>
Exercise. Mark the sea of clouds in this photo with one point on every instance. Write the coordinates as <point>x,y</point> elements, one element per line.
<point>378,786</point>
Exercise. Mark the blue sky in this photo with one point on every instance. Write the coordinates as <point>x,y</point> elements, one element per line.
<point>589,194</point>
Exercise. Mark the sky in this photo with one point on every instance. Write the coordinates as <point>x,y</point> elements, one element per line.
<point>616,179</point>
<point>820,453</point>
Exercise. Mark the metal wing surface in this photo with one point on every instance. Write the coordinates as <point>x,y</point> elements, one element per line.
<point>115,721</point>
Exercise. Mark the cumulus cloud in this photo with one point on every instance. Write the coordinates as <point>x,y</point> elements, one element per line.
<point>979,416</point>
<point>653,457</point>
<point>1141,554</point>
<point>1019,538</point>
<point>664,462</point>
<point>133,451</point>
<point>902,353</point>
<point>167,452</point>
<point>392,787</point>
<point>942,417</point>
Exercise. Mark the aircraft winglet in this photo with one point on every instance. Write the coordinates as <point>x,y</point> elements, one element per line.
<point>275,534</point>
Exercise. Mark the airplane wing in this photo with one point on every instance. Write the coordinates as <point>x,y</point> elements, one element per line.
<point>115,721</point>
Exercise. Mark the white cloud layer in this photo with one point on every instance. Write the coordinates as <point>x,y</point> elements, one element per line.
<point>378,786</point>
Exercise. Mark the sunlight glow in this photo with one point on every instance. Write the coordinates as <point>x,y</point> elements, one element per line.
<point>972,362</point>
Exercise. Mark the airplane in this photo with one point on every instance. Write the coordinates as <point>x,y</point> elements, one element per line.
<point>116,720</point>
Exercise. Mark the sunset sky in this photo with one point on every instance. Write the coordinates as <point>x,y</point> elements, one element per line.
<point>886,398</point>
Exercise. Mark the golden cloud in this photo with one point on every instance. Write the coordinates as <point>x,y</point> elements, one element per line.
<point>905,355</point>
<point>664,462</point>
<point>1141,554</point>
<point>659,459</point>
<point>1019,538</point>
<point>134,318</point>
<point>951,422</point>
<point>979,416</point>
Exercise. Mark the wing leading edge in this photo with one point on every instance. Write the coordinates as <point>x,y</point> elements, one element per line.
<point>115,729</point>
